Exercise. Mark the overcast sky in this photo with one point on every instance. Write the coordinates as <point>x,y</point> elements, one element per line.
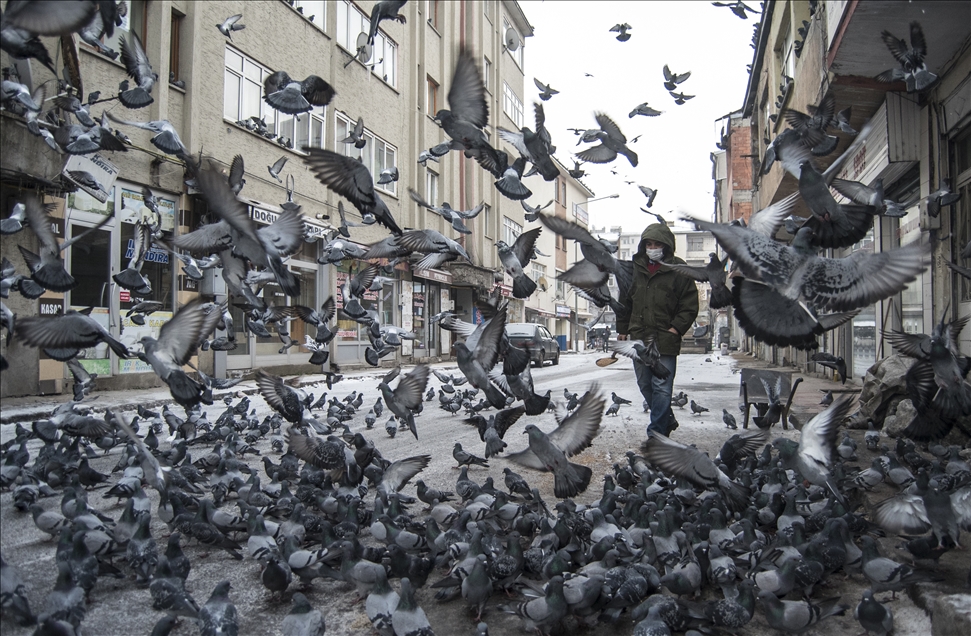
<point>573,38</point>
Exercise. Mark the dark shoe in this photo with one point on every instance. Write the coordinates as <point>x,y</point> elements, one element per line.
<point>674,424</point>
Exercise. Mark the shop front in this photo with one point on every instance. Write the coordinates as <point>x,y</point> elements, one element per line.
<point>430,291</point>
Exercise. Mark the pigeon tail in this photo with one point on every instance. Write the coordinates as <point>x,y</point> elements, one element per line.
<point>135,98</point>
<point>184,389</point>
<point>319,357</point>
<point>288,281</point>
<point>119,348</point>
<point>573,481</point>
<point>536,404</point>
<point>130,279</point>
<point>516,361</point>
<point>496,397</point>
<point>62,355</point>
<point>721,297</point>
<point>512,188</point>
<point>523,287</point>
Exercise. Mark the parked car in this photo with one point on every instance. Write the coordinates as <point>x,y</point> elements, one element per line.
<point>536,339</point>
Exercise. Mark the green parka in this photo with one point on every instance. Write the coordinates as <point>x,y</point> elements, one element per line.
<point>658,301</point>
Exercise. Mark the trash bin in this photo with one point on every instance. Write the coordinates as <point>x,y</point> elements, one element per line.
<point>562,341</point>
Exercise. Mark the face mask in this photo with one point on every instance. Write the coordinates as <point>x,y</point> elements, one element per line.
<point>656,254</point>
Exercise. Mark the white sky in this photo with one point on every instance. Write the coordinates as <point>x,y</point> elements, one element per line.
<point>572,38</point>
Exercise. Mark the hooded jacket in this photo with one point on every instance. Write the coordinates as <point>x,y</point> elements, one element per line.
<point>660,300</point>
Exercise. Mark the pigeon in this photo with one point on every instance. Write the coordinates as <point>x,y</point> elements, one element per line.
<point>913,69</point>
<point>798,274</point>
<point>47,267</point>
<point>408,618</point>
<point>695,466</point>
<point>738,7</point>
<point>531,212</point>
<point>813,456</point>
<point>546,91</point>
<point>680,98</point>
<point>612,142</point>
<point>465,458</point>
<point>231,24</point>
<point>575,432</point>
<point>468,114</point>
<point>644,352</point>
<point>303,619</point>
<point>352,180</point>
<point>650,193</point>
<point>293,97</point>
<point>139,68</point>
<point>796,616</point>
<point>622,31</point>
<point>356,135</point>
<point>827,399</point>
<point>480,352</point>
<point>671,79</point>
<point>406,396</point>
<point>942,198</point>
<point>69,332</point>
<point>873,615</point>
<point>712,273</point>
<point>697,409</point>
<point>277,167</point>
<point>545,612</point>
<point>388,175</point>
<point>644,109</point>
<point>887,574</point>
<point>729,419</point>
<point>385,10</point>
<point>22,44</point>
<point>13,594</point>
<point>510,184</point>
<point>828,360</point>
<point>455,217</point>
<point>166,137</point>
<point>535,146</point>
<point>514,260</point>
<point>218,615</point>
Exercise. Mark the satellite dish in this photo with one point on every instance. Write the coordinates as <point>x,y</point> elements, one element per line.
<point>512,39</point>
<point>364,50</point>
<point>543,282</point>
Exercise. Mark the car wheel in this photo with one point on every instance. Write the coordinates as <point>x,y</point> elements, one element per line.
<point>556,359</point>
<point>541,359</point>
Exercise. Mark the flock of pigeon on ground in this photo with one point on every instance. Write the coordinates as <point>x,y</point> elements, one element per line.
<point>761,521</point>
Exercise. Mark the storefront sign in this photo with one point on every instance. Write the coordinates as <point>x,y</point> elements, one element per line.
<point>124,295</point>
<point>57,227</point>
<point>506,290</point>
<point>188,284</point>
<point>133,210</point>
<point>265,217</point>
<point>540,312</point>
<point>50,306</point>
<point>155,255</point>
<point>562,311</point>
<point>103,171</point>
<point>434,274</point>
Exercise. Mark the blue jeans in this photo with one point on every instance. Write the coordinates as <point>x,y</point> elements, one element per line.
<point>658,393</point>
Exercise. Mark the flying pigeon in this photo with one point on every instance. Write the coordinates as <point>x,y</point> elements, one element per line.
<point>139,68</point>
<point>612,142</point>
<point>515,258</point>
<point>644,109</point>
<point>385,10</point>
<point>350,179</point>
<point>231,24</point>
<point>294,97</point>
<point>546,91</point>
<point>913,68</point>
<point>622,31</point>
<point>277,167</point>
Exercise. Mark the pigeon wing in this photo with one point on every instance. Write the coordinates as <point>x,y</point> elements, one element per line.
<point>523,247</point>
<point>612,129</point>
<point>37,216</point>
<point>411,387</point>
<point>210,238</point>
<point>134,58</point>
<point>862,279</point>
<point>223,203</point>
<point>903,514</point>
<point>400,472</point>
<point>598,154</point>
<point>284,236</point>
<point>577,430</point>
<point>818,439</point>
<point>346,176</point>
<point>319,93</point>
<point>467,95</point>
<point>486,349</point>
<point>767,221</point>
<point>179,337</point>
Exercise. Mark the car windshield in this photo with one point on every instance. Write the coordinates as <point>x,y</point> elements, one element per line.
<point>522,329</point>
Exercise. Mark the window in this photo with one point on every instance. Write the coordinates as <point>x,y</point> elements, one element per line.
<point>563,185</point>
<point>560,289</point>
<point>625,255</point>
<point>487,9</point>
<point>174,41</point>
<point>510,230</point>
<point>512,105</point>
<point>432,10</point>
<point>431,96</point>
<point>243,98</point>
<point>314,10</point>
<point>518,53</point>
<point>789,54</point>
<point>431,187</point>
<point>556,191</point>
<point>538,272</point>
<point>376,155</point>
<point>134,20</point>
<point>487,219</point>
<point>696,243</point>
<point>384,58</point>
<point>487,73</point>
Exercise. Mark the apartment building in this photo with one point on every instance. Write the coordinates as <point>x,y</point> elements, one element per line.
<point>210,89</point>
<point>808,50</point>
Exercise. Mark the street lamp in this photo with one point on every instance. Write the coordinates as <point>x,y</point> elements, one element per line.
<point>576,297</point>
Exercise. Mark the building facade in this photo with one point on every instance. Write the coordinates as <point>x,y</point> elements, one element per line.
<point>213,94</point>
<point>913,142</point>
